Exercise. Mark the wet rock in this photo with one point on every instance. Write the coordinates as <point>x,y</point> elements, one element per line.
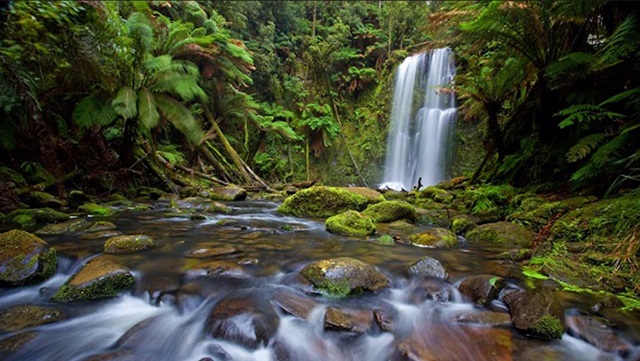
<point>101,277</point>
<point>204,252</point>
<point>454,343</point>
<point>431,289</point>
<point>608,302</point>
<point>99,226</point>
<point>25,259</point>
<point>38,199</point>
<point>428,267</point>
<point>294,303</point>
<point>100,235</point>
<point>401,226</point>
<point>244,320</point>
<point>344,276</point>
<point>157,286</point>
<point>150,192</point>
<point>128,244</point>
<point>536,312</point>
<point>350,224</point>
<point>597,333</point>
<point>515,255</point>
<point>217,207</point>
<point>221,269</point>
<point>76,198</point>
<point>22,317</point>
<point>506,233</point>
<point>482,289</point>
<point>384,318</point>
<point>228,193</point>
<point>485,318</point>
<point>10,345</point>
<point>434,238</point>
<point>31,217</point>
<point>434,217</point>
<point>96,209</point>
<point>437,194</point>
<point>324,202</point>
<point>357,321</point>
<point>390,211</point>
<point>117,355</point>
<point>70,226</point>
<point>462,223</point>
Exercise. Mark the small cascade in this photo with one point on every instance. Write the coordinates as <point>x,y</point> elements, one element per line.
<point>422,119</point>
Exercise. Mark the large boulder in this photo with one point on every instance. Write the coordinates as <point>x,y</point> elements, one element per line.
<point>230,192</point>
<point>427,267</point>
<point>70,226</point>
<point>244,320</point>
<point>434,238</point>
<point>505,233</point>
<point>31,217</point>
<point>101,277</point>
<point>37,199</point>
<point>25,259</point>
<point>96,209</point>
<point>537,312</point>
<point>344,276</point>
<point>128,244</point>
<point>324,202</point>
<point>482,289</point>
<point>350,223</point>
<point>390,211</point>
<point>596,332</point>
<point>345,320</point>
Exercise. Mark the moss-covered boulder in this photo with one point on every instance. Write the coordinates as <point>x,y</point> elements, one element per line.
<point>230,192</point>
<point>482,289</point>
<point>434,238</point>
<point>390,211</point>
<point>25,259</point>
<point>437,194</point>
<point>31,217</point>
<point>39,199</point>
<point>536,313</point>
<point>26,316</point>
<point>76,198</point>
<point>70,226</point>
<point>344,276</point>
<point>435,217</point>
<point>536,212</point>
<point>350,224</point>
<point>324,202</point>
<point>462,223</point>
<point>100,226</point>
<point>128,244</point>
<point>101,277</point>
<point>506,233</point>
<point>150,192</point>
<point>96,209</point>
<point>217,207</point>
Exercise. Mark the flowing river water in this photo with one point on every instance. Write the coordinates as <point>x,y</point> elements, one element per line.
<point>166,315</point>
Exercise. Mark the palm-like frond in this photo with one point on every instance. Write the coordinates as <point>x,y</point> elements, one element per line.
<point>124,103</point>
<point>624,42</point>
<point>584,147</point>
<point>180,116</point>
<point>147,109</point>
<point>91,111</point>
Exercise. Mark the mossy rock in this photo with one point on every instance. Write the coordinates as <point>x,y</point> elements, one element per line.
<point>25,259</point>
<point>482,289</point>
<point>463,223</point>
<point>437,194</point>
<point>324,202</point>
<point>70,226</point>
<point>76,198</point>
<point>385,239</point>
<point>37,199</point>
<point>117,197</point>
<point>435,217</point>
<point>350,223</point>
<point>536,212</point>
<point>99,278</point>
<point>26,316</point>
<point>537,313</point>
<point>100,226</point>
<point>390,211</point>
<point>150,192</point>
<point>96,209</point>
<point>505,233</point>
<point>230,192</point>
<point>434,238</point>
<point>217,207</point>
<point>31,217</point>
<point>344,276</point>
<point>128,244</point>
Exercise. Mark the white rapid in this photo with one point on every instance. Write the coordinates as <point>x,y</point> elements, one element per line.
<point>422,118</point>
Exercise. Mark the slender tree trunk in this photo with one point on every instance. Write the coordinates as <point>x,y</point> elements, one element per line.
<point>214,162</point>
<point>306,155</point>
<point>494,132</point>
<point>313,18</point>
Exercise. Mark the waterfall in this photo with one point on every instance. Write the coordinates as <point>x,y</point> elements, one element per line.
<point>422,118</point>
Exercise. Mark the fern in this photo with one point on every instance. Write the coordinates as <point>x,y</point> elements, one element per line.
<point>147,109</point>
<point>171,154</point>
<point>180,116</point>
<point>584,147</point>
<point>124,103</point>
<point>623,43</point>
<point>91,111</point>
<point>584,114</point>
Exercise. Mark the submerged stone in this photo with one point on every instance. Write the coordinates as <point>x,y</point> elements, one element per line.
<point>344,320</point>
<point>597,333</point>
<point>344,276</point>
<point>11,344</point>
<point>324,202</point>
<point>101,277</point>
<point>434,238</point>
<point>390,211</point>
<point>294,303</point>
<point>221,269</point>
<point>100,226</point>
<point>22,317</point>
<point>128,244</point>
<point>350,223</point>
<point>25,259</point>
<point>206,252</point>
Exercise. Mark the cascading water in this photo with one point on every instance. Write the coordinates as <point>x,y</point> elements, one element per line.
<point>422,116</point>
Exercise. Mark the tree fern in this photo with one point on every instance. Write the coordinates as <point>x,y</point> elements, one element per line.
<point>147,109</point>
<point>585,114</point>
<point>92,111</point>
<point>180,116</point>
<point>584,147</point>
<point>623,43</point>
<point>124,103</point>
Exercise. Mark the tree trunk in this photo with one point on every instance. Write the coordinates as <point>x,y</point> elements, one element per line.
<point>214,162</point>
<point>494,132</point>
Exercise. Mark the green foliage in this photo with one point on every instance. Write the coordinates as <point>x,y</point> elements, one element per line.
<point>91,110</point>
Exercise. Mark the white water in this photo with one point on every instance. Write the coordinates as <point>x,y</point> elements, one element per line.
<point>419,135</point>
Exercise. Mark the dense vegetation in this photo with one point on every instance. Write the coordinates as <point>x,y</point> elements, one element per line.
<point>112,95</point>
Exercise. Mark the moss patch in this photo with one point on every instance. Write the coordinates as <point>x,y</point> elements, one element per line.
<point>390,211</point>
<point>350,223</point>
<point>30,217</point>
<point>25,259</point>
<point>502,233</point>
<point>96,209</point>
<point>324,202</point>
<point>548,327</point>
<point>434,238</point>
<point>128,244</point>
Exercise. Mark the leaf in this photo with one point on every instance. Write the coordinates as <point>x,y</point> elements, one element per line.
<point>124,103</point>
<point>180,116</point>
<point>147,109</point>
<point>584,147</point>
<point>91,111</point>
<point>493,280</point>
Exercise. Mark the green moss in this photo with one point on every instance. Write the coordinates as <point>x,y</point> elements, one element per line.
<point>484,198</point>
<point>32,216</point>
<point>501,233</point>
<point>106,287</point>
<point>548,327</point>
<point>96,209</point>
<point>390,211</point>
<point>385,239</point>
<point>324,202</point>
<point>436,194</point>
<point>350,223</point>
<point>25,258</point>
<point>462,224</point>
<point>24,220</point>
<point>337,289</point>
<point>434,237</point>
<point>128,244</point>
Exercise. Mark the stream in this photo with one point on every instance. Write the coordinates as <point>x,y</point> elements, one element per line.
<point>166,316</point>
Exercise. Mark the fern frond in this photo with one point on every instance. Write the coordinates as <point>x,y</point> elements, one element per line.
<point>623,43</point>
<point>147,109</point>
<point>124,103</point>
<point>91,111</point>
<point>584,114</point>
<point>584,147</point>
<point>180,116</point>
